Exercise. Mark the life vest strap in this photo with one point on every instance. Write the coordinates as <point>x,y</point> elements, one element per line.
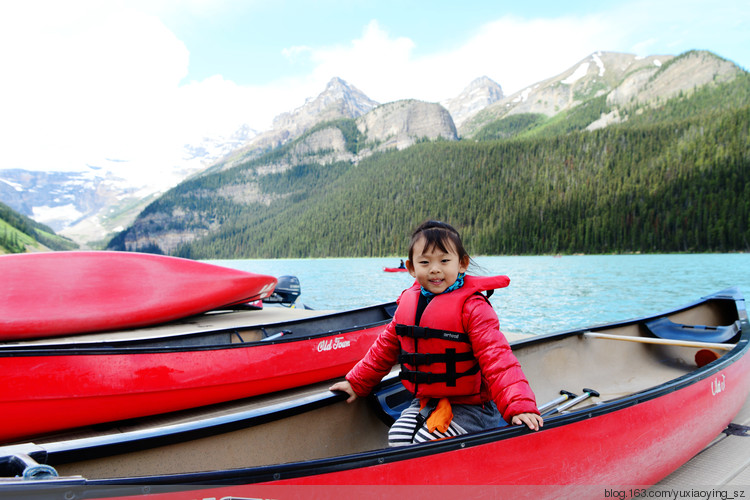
<point>418,377</point>
<point>420,332</point>
<point>417,358</point>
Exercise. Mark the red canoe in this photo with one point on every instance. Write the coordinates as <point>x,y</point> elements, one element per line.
<point>394,269</point>
<point>61,293</point>
<point>66,382</point>
<point>653,401</point>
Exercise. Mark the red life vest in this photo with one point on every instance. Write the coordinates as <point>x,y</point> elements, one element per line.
<point>436,356</point>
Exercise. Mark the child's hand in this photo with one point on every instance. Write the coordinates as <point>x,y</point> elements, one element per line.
<point>346,387</point>
<point>530,420</point>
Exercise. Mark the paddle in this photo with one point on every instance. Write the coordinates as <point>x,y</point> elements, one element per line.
<point>649,340</point>
<point>564,396</point>
<point>587,393</point>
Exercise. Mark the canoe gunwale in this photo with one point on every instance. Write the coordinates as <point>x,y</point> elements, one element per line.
<point>130,346</point>
<point>95,447</point>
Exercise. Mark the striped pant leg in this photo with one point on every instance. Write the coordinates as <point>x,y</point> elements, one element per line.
<point>402,431</point>
<point>424,434</point>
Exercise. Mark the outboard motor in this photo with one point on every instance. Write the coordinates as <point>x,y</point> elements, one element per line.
<point>286,292</point>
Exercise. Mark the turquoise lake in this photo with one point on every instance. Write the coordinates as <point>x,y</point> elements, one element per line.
<point>546,294</point>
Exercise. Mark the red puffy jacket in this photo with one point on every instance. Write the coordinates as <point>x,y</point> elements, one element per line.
<point>503,380</point>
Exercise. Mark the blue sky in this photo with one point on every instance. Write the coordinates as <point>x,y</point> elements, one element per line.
<point>246,41</point>
<point>258,33</point>
<point>89,80</point>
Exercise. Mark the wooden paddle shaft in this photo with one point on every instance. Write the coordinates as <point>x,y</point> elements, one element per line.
<point>650,340</point>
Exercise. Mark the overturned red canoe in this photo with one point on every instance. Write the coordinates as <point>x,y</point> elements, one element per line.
<point>61,293</point>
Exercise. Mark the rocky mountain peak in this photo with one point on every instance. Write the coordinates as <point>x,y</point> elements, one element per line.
<point>485,83</point>
<point>595,75</point>
<point>338,100</point>
<point>479,94</point>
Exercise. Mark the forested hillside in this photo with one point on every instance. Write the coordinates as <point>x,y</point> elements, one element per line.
<point>669,178</point>
<point>19,233</point>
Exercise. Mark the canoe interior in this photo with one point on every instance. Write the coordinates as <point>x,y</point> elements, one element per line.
<point>616,369</point>
<point>332,428</point>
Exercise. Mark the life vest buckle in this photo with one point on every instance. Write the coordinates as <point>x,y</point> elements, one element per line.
<point>416,332</point>
<point>416,358</point>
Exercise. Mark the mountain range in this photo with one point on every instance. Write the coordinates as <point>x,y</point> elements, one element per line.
<point>295,198</point>
<point>344,125</point>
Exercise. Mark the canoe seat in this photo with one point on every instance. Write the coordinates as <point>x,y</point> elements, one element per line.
<point>664,328</point>
<point>389,401</point>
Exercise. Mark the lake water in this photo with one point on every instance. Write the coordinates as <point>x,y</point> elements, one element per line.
<point>546,294</point>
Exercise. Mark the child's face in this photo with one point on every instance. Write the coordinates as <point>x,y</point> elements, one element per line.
<point>434,269</point>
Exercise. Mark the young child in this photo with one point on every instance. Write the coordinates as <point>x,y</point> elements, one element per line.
<point>454,359</point>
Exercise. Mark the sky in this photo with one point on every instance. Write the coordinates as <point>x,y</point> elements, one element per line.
<point>110,82</point>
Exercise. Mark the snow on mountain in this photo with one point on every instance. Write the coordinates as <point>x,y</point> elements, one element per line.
<point>87,205</point>
<point>478,95</point>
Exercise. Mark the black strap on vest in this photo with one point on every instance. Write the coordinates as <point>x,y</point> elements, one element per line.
<point>448,378</point>
<point>419,358</point>
<point>423,415</point>
<point>421,332</point>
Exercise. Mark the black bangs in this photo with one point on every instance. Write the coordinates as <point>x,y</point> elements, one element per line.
<point>440,235</point>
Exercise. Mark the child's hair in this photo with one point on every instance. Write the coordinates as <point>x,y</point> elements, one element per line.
<point>439,235</point>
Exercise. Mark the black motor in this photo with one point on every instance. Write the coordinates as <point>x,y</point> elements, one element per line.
<point>286,292</point>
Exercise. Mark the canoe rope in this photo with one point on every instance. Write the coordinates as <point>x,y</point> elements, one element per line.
<point>737,430</point>
<point>30,469</point>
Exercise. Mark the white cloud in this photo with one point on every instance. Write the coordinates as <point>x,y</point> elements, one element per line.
<point>85,80</point>
<point>372,63</point>
<point>513,51</point>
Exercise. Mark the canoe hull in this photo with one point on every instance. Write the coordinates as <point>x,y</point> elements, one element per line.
<point>86,385</point>
<point>615,448</point>
<point>60,293</point>
<point>394,269</point>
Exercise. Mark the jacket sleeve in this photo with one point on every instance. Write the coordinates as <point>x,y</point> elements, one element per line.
<point>379,360</point>
<point>501,370</point>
